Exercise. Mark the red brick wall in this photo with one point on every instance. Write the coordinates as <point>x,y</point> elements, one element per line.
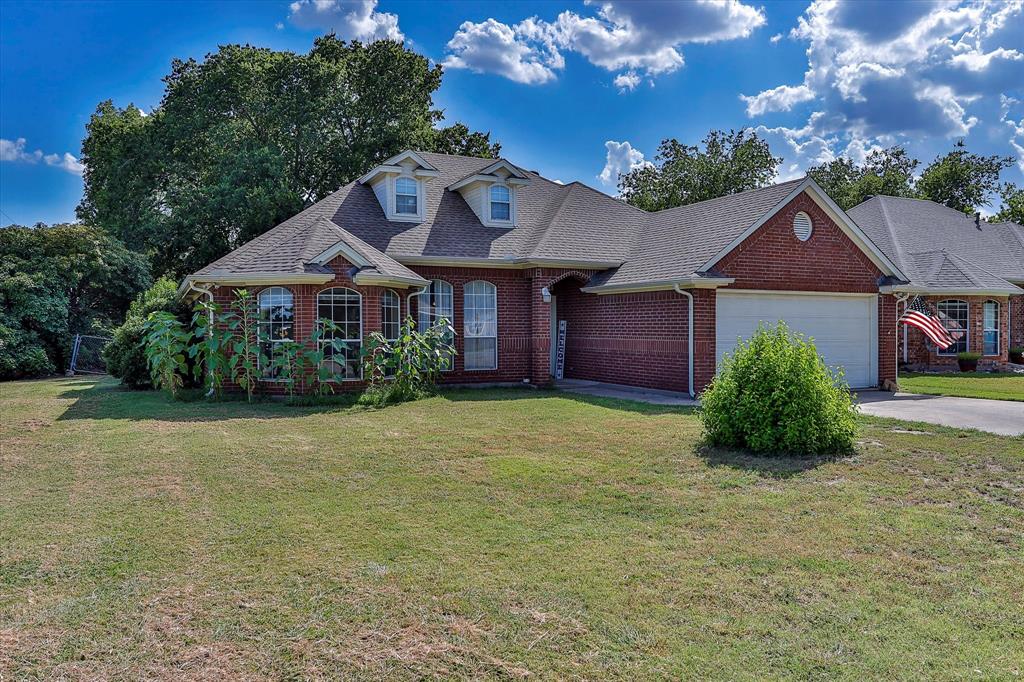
<point>918,352</point>
<point>1016,322</point>
<point>773,258</point>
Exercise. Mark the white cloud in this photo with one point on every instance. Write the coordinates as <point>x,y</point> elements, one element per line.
<point>775,38</point>
<point>493,47</point>
<point>880,71</point>
<point>1006,104</point>
<point>632,37</point>
<point>350,19</point>
<point>279,26</point>
<point>627,82</point>
<point>782,98</point>
<point>14,151</point>
<point>620,158</point>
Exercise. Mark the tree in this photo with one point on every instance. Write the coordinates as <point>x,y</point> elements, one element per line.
<point>1012,209</point>
<point>249,136</point>
<point>886,171</point>
<point>682,174</point>
<point>62,280</point>
<point>962,180</point>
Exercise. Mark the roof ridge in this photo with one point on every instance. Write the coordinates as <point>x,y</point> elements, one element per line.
<point>975,265</point>
<point>730,195</point>
<point>888,226</point>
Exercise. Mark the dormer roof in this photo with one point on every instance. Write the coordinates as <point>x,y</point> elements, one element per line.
<point>398,164</point>
<point>513,175</point>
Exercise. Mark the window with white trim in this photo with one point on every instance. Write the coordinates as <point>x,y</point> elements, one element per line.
<point>954,315</point>
<point>343,307</point>
<point>406,194</point>
<point>435,304</point>
<point>990,327</point>
<point>275,324</point>
<point>501,203</point>
<point>390,314</point>
<point>480,325</point>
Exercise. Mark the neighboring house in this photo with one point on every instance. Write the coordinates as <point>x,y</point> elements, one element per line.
<point>650,299</point>
<point>968,269</point>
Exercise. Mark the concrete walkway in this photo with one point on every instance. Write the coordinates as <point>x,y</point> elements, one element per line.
<point>1004,417</point>
<point>618,391</point>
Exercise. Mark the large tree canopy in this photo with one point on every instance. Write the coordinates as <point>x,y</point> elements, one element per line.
<point>1012,207</point>
<point>56,282</point>
<point>887,171</point>
<point>962,180</point>
<point>684,174</point>
<point>249,136</point>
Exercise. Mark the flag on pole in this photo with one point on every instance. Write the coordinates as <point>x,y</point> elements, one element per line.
<point>918,315</point>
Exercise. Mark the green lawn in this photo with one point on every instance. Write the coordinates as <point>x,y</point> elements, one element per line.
<point>491,534</point>
<point>999,386</point>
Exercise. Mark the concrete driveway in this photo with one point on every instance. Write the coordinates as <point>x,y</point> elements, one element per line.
<point>1004,417</point>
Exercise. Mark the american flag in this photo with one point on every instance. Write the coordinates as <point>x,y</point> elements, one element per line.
<point>918,315</point>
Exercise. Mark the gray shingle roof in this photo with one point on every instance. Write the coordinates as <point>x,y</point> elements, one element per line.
<point>933,245</point>
<point>941,248</point>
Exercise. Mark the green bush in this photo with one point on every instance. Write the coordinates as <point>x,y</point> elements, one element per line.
<point>22,355</point>
<point>774,394</point>
<point>969,357</point>
<point>125,354</point>
<point>406,368</point>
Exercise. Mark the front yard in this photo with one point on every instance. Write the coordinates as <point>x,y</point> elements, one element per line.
<point>496,534</point>
<point>995,385</point>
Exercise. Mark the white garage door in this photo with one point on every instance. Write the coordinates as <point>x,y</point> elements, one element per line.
<point>845,328</point>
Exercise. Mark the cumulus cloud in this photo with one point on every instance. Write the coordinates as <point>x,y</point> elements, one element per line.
<point>1006,106</point>
<point>878,70</point>
<point>350,19</point>
<point>775,38</point>
<point>620,158</point>
<point>627,82</point>
<point>782,98</point>
<point>627,37</point>
<point>15,151</point>
<point>493,47</point>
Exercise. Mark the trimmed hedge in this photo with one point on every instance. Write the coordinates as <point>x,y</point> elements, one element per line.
<point>774,394</point>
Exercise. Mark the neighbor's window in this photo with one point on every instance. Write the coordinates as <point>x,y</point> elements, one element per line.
<point>990,327</point>
<point>434,304</point>
<point>390,314</point>
<point>953,315</point>
<point>480,314</point>
<point>274,323</point>
<point>343,307</point>
<point>501,203</point>
<point>405,196</point>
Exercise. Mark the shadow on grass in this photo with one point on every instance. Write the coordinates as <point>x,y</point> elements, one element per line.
<point>104,398</point>
<point>778,466</point>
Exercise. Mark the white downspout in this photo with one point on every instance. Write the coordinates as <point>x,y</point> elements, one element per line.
<point>689,331</point>
<point>408,299</point>
<point>209,295</point>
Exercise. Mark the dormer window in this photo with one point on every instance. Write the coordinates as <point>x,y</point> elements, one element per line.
<point>501,203</point>
<point>406,196</point>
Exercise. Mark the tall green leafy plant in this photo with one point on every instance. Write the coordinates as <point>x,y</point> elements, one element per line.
<point>242,324</point>
<point>211,345</point>
<point>167,341</point>
<point>408,367</point>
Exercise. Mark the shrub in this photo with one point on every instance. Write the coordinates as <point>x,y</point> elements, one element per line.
<point>775,394</point>
<point>167,341</point>
<point>21,355</point>
<point>125,354</point>
<point>969,357</point>
<point>406,368</point>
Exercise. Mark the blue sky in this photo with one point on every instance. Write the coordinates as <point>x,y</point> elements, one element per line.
<point>577,91</point>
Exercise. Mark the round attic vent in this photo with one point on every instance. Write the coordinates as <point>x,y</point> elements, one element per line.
<point>802,226</point>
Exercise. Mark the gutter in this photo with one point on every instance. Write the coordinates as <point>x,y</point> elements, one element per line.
<point>689,344</point>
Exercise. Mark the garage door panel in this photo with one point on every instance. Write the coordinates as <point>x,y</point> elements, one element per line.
<point>844,328</point>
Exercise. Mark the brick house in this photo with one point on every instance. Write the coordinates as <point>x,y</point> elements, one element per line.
<point>649,299</point>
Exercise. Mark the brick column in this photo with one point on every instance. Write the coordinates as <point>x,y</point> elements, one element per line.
<point>540,330</point>
<point>888,335</point>
<point>704,350</point>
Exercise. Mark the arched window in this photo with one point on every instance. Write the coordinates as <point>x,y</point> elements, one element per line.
<point>275,323</point>
<point>501,203</point>
<point>990,327</point>
<point>390,314</point>
<point>343,307</point>
<point>480,328</point>
<point>954,317</point>
<point>434,305</point>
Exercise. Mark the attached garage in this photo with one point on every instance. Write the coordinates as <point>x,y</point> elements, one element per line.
<point>844,327</point>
